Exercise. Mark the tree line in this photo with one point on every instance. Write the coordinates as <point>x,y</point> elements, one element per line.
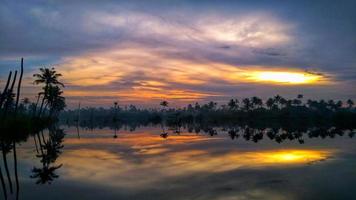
<point>276,109</point>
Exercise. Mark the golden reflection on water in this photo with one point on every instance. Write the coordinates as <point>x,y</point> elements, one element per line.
<point>294,156</point>
<point>150,159</point>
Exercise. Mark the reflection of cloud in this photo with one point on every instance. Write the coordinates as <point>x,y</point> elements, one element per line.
<point>149,159</point>
<point>99,165</point>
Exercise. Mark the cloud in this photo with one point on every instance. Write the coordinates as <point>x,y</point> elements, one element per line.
<point>126,48</point>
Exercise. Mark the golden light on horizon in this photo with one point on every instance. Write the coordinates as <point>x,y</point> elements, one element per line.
<point>285,77</point>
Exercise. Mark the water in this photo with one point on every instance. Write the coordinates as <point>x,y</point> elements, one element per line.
<point>143,164</point>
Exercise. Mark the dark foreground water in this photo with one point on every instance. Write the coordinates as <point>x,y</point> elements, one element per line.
<point>143,164</point>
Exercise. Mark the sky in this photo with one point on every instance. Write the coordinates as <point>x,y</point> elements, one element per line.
<point>143,52</point>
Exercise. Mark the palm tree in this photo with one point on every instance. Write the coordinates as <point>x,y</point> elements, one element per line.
<point>296,102</point>
<point>331,105</point>
<point>54,99</point>
<point>115,118</point>
<point>233,104</point>
<point>283,102</point>
<point>350,103</point>
<point>277,100</point>
<point>48,77</point>
<point>164,104</point>
<point>255,101</point>
<point>338,105</point>
<point>270,103</point>
<point>211,105</point>
<point>115,111</point>
<point>247,104</point>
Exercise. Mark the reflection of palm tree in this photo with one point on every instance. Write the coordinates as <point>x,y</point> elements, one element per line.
<point>50,149</point>
<point>16,173</point>
<point>233,133</point>
<point>164,134</point>
<point>3,184</point>
<point>6,148</point>
<point>7,145</point>
<point>45,174</point>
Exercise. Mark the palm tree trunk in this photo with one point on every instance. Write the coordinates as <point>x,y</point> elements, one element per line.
<point>43,99</point>
<point>11,89</point>
<point>45,107</point>
<point>16,174</point>
<point>78,133</point>
<point>2,97</point>
<point>34,138</point>
<point>43,138</point>
<point>19,87</point>
<point>3,184</point>
<point>35,109</point>
<point>40,111</point>
<point>6,166</point>
<point>40,143</point>
<point>14,143</point>
<point>162,127</point>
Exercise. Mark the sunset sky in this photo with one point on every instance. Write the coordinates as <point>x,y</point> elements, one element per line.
<point>142,52</point>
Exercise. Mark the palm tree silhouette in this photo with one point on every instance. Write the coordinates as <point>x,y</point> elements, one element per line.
<point>50,149</point>
<point>48,77</point>
<point>256,102</point>
<point>233,104</point>
<point>247,104</point>
<point>54,99</point>
<point>46,174</point>
<point>350,103</point>
<point>270,103</point>
<point>164,104</point>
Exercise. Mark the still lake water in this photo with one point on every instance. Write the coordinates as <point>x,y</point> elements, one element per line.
<point>141,164</point>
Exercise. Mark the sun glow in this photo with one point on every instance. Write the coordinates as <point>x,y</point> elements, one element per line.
<point>285,77</point>
<point>295,156</point>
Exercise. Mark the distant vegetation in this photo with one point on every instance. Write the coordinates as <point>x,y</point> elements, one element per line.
<point>275,110</point>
